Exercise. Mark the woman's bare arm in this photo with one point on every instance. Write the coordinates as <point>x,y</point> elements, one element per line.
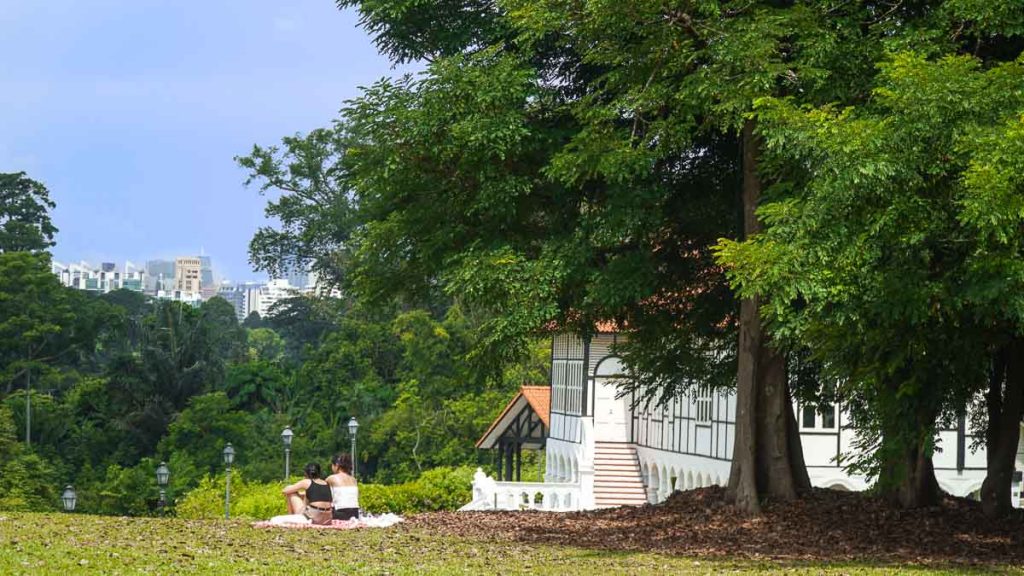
<point>297,487</point>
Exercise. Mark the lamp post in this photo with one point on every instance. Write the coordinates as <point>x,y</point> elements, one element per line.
<point>69,498</point>
<point>163,474</point>
<point>353,426</point>
<point>286,437</point>
<point>28,410</point>
<point>229,457</point>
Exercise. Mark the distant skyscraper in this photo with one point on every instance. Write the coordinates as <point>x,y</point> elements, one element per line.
<point>235,295</point>
<point>159,275</point>
<point>206,279</point>
<point>187,274</point>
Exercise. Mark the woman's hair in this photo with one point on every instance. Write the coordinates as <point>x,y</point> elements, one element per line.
<point>312,471</point>
<point>343,461</point>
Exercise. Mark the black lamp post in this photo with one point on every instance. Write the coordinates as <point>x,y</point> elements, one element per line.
<point>353,427</point>
<point>229,457</point>
<point>286,437</point>
<point>163,474</point>
<point>69,498</point>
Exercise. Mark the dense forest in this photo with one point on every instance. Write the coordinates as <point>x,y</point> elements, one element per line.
<point>119,382</point>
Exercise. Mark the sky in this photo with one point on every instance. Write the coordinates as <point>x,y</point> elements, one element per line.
<point>131,112</point>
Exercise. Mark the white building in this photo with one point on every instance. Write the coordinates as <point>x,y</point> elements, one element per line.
<point>246,298</point>
<point>191,298</point>
<point>600,452</point>
<point>105,278</point>
<point>260,298</point>
<point>271,293</point>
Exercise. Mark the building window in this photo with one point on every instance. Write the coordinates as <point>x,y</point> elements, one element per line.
<point>818,417</point>
<point>808,416</point>
<point>828,416</point>
<point>703,405</point>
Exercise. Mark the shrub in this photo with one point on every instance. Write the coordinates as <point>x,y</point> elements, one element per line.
<point>437,489</point>
<point>26,484</point>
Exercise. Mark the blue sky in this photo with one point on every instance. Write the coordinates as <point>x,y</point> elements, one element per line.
<point>131,111</point>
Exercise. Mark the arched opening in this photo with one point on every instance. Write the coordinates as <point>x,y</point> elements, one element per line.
<point>610,413</point>
<point>654,486</point>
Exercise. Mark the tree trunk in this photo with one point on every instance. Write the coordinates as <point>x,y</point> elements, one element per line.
<point>914,484</point>
<point>767,457</point>
<point>907,476</point>
<point>1005,403</point>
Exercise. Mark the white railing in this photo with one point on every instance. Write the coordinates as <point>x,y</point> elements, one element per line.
<point>489,494</point>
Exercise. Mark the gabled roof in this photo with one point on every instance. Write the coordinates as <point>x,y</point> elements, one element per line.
<point>536,398</point>
<point>539,398</point>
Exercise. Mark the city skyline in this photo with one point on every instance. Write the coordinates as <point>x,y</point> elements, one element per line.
<point>131,113</point>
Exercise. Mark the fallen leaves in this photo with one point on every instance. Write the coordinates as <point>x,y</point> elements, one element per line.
<point>826,525</point>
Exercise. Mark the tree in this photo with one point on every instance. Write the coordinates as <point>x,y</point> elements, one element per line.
<point>892,258</point>
<point>314,207</point>
<point>34,313</point>
<point>559,176</point>
<point>586,157</point>
<point>408,30</point>
<point>25,224</point>
<point>265,345</point>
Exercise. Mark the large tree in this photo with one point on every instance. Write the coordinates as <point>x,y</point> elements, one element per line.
<point>570,164</point>
<point>896,258</point>
<point>311,204</point>
<point>25,224</point>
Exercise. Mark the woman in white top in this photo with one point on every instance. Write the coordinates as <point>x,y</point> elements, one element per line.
<point>344,491</point>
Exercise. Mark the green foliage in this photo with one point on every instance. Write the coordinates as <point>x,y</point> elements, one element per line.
<point>265,345</point>
<point>27,483</point>
<point>314,207</point>
<point>200,432</point>
<point>436,489</point>
<point>408,30</point>
<point>903,228</point>
<point>25,224</point>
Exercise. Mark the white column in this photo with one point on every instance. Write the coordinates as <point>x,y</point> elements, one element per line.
<point>586,465</point>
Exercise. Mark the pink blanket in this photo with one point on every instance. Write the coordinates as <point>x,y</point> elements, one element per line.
<point>382,521</point>
<point>334,525</point>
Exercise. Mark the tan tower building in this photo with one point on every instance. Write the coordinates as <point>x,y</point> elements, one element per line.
<point>187,271</point>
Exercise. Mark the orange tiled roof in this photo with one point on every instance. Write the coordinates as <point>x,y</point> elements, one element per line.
<point>539,399</point>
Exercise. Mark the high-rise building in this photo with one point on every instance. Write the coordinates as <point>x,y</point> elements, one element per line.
<point>206,277</point>
<point>159,275</point>
<point>273,292</point>
<point>235,296</point>
<point>187,274</point>
<point>246,298</point>
<point>105,278</point>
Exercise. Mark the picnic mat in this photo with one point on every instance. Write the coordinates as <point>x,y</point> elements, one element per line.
<point>369,521</point>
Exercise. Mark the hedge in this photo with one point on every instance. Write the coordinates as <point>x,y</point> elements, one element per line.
<point>437,489</point>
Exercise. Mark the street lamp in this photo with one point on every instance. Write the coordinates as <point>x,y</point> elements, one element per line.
<point>286,437</point>
<point>69,498</point>
<point>163,474</point>
<point>229,457</point>
<point>353,426</point>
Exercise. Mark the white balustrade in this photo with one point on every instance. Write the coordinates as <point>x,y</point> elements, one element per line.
<point>489,494</point>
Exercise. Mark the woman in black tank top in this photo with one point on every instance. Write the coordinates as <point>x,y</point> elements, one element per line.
<point>317,504</point>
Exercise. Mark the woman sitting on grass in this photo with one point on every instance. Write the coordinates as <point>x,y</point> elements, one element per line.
<point>315,508</point>
<point>344,491</point>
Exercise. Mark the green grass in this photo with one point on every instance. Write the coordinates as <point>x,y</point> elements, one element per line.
<point>76,544</point>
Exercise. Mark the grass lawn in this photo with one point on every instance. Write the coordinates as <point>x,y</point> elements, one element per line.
<point>77,544</point>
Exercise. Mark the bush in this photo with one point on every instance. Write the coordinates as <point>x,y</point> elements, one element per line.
<point>437,489</point>
<point>26,484</point>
